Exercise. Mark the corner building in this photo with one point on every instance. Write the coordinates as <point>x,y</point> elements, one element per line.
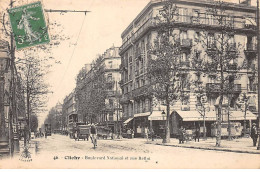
<point>140,109</point>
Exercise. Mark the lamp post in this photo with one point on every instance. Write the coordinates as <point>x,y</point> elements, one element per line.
<point>258,60</point>
<point>164,138</point>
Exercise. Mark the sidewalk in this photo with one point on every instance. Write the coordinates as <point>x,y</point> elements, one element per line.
<point>240,145</point>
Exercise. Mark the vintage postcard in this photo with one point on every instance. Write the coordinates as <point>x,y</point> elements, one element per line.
<point>129,84</point>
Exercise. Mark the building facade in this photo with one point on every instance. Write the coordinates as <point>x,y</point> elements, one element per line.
<point>141,109</point>
<point>101,78</point>
<point>69,110</point>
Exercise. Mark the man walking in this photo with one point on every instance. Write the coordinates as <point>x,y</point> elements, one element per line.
<point>197,134</point>
<point>93,136</point>
<point>254,134</point>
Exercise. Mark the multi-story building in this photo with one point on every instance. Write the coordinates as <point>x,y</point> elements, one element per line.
<point>18,120</point>
<point>69,110</point>
<point>193,18</point>
<point>103,74</point>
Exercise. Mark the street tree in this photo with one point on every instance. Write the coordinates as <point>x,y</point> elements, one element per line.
<point>221,58</point>
<point>34,123</point>
<point>91,91</point>
<point>165,68</point>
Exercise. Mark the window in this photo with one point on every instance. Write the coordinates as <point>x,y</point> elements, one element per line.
<point>212,79</point>
<point>148,41</point>
<point>130,59</point>
<point>183,12</point>
<point>231,42</point>
<point>195,15</point>
<point>211,41</point>
<point>197,36</point>
<point>183,35</point>
<point>130,72</point>
<point>109,77</point>
<point>110,64</point>
<point>111,103</point>
<point>249,43</point>
<point>210,19</point>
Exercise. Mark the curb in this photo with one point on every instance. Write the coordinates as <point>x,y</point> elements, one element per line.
<point>207,148</point>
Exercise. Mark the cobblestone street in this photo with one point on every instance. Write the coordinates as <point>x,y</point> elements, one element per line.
<point>59,150</point>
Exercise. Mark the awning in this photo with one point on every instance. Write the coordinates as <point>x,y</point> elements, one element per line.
<point>191,115</point>
<point>157,115</point>
<point>128,120</point>
<point>250,21</point>
<point>211,116</point>
<point>142,114</point>
<point>239,115</point>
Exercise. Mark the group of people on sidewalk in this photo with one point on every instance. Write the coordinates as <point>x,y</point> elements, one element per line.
<point>184,136</point>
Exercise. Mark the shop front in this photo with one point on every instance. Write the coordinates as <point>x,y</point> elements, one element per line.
<point>157,122</point>
<point>140,121</point>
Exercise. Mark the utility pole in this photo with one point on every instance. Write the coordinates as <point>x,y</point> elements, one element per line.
<point>258,60</point>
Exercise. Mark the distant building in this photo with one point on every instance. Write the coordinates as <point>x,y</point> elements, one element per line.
<point>103,75</point>
<point>69,110</point>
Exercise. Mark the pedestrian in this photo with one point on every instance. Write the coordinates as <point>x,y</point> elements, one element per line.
<point>146,133</point>
<point>128,132</point>
<point>45,134</point>
<point>152,133</point>
<point>132,133</point>
<point>181,135</point>
<point>197,134</point>
<point>254,134</point>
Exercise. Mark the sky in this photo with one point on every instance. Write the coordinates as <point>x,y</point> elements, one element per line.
<point>94,32</point>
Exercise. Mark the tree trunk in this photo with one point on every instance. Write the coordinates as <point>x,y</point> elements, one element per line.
<point>2,114</point>
<point>244,127</point>
<point>229,127</point>
<point>218,137</point>
<point>167,124</point>
<point>204,127</point>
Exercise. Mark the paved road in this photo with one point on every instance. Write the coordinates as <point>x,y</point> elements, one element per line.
<point>126,153</point>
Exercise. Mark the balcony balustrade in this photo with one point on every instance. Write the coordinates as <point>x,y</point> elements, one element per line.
<point>196,21</point>
<point>232,66</point>
<point>139,91</point>
<point>185,63</point>
<point>215,88</point>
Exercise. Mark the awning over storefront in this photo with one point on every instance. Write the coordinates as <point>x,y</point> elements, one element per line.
<point>142,114</point>
<point>239,115</point>
<point>236,115</point>
<point>128,120</point>
<point>157,115</point>
<point>190,115</point>
<point>211,116</point>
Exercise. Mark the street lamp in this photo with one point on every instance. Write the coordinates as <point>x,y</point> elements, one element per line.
<point>164,138</point>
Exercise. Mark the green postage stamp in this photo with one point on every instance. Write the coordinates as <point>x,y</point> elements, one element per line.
<point>28,25</point>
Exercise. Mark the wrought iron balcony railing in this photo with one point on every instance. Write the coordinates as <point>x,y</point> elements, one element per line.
<point>215,88</point>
